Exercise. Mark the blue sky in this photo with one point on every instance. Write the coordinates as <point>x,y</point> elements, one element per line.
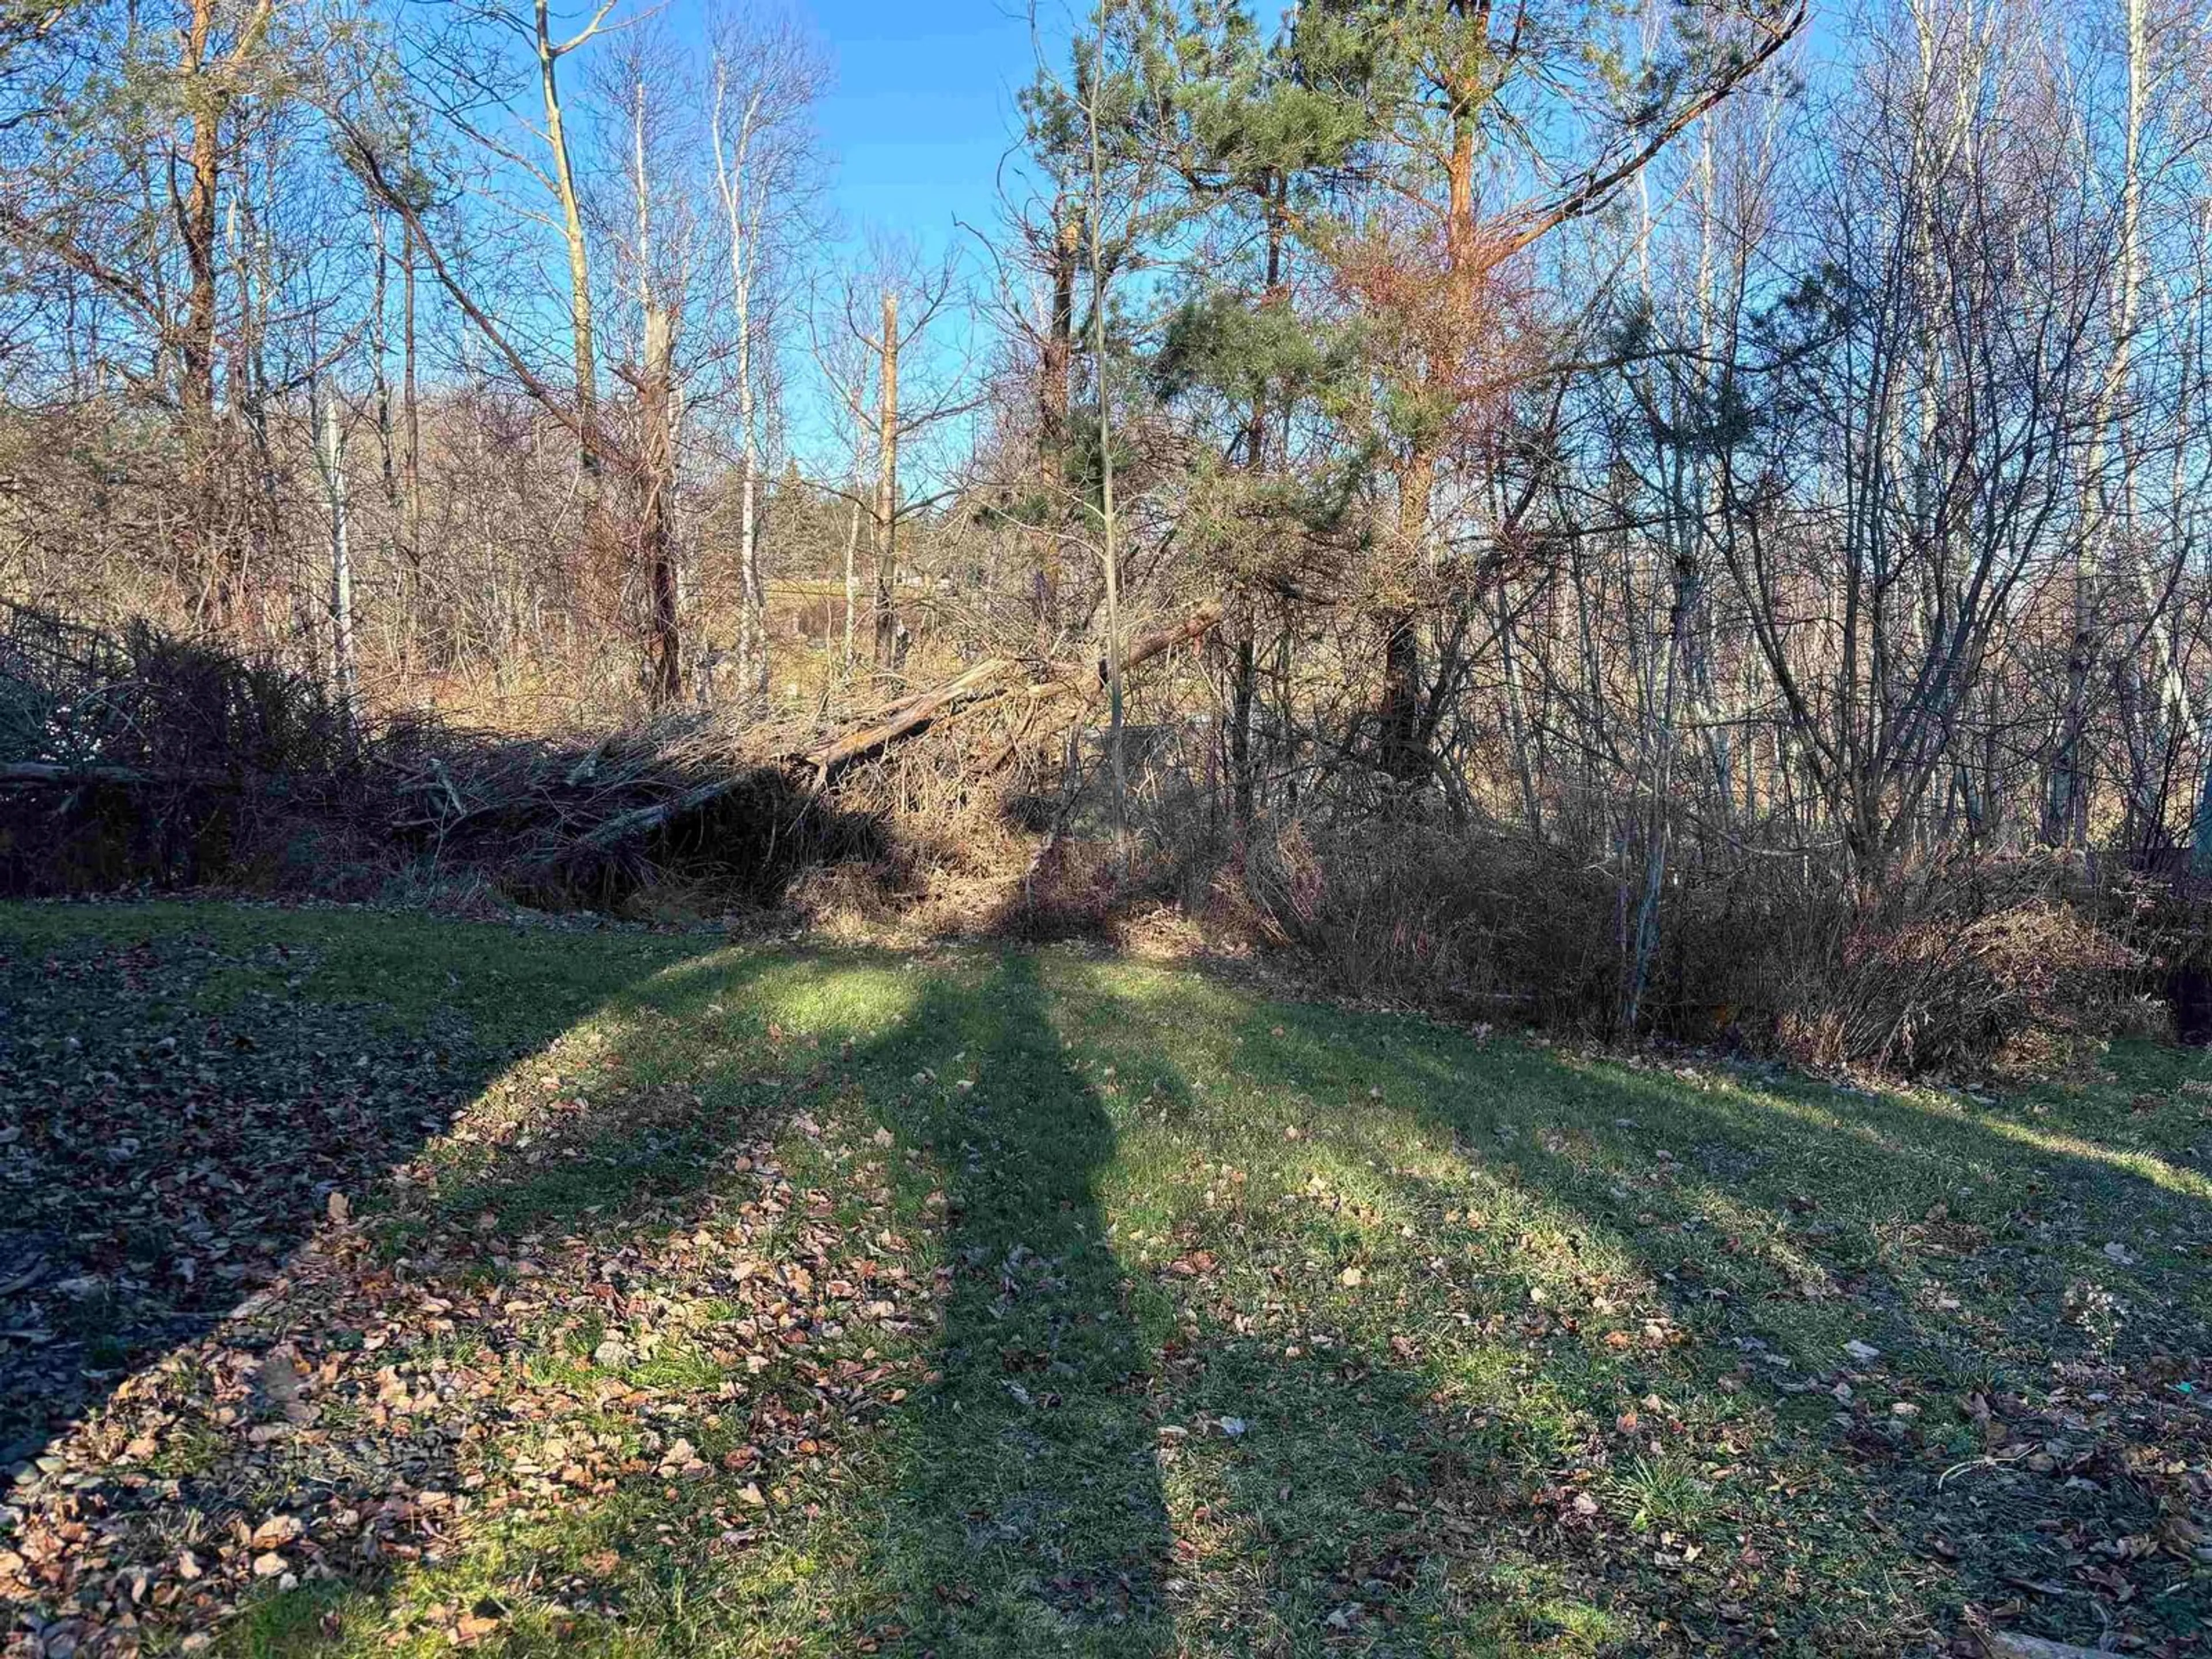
<point>923,108</point>
<point>920,115</point>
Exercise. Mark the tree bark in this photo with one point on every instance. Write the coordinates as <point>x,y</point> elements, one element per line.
<point>1242,781</point>
<point>572,232</point>
<point>208,583</point>
<point>851,576</point>
<point>1402,743</point>
<point>887,432</point>
<point>656,485</point>
<point>2067,814</point>
<point>1109,550</point>
<point>1056,355</point>
<point>731,178</point>
<point>331,454</point>
<point>410,454</point>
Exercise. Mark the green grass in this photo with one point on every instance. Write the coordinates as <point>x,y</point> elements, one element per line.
<point>1217,1325</point>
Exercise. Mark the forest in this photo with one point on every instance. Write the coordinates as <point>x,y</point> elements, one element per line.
<point>1422,864</point>
<point>1625,516</point>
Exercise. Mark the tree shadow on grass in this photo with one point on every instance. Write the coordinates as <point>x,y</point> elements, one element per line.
<point>651,1373</point>
<point>177,1106</point>
<point>1404,1404</point>
<point>1067,1405</point>
<point>1340,1475</point>
<point>1413,1436</point>
<point>189,1097</point>
<point>729,1377</point>
<point>605,1338</point>
<point>1766,1223</point>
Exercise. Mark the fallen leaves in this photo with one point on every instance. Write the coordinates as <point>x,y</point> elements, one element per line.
<point>276,1531</point>
<point>402,1397</point>
<point>583,1295</point>
<point>156,1169</point>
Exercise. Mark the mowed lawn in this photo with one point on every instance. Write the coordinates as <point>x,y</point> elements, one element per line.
<point>377,1285</point>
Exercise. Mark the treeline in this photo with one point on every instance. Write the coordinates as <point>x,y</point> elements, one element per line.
<point>1707,456</point>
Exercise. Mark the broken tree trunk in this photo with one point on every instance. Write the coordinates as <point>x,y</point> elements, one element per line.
<point>988,681</point>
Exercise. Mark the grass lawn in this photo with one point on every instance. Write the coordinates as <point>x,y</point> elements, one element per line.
<point>380,1283</point>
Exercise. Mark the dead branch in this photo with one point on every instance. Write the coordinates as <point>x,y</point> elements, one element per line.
<point>36,774</point>
<point>987,682</point>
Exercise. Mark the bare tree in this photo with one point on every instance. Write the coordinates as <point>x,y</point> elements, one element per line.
<point>331,461</point>
<point>768,76</point>
<point>888,308</point>
<point>657,240</point>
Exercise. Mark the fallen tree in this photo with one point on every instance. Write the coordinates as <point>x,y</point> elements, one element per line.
<point>995,679</point>
<point>34,774</point>
<point>219,763</point>
<point>816,767</point>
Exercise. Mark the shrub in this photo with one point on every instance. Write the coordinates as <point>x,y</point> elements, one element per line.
<point>1949,966</point>
<point>1953,966</point>
<point>183,764</point>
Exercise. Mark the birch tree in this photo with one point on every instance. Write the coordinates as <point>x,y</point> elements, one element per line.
<point>767,77</point>
<point>331,462</point>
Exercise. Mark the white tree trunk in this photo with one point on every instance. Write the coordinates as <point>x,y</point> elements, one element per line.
<point>330,456</point>
<point>2069,810</point>
<point>851,576</point>
<point>732,158</point>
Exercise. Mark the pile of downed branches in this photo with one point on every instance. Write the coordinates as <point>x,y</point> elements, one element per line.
<point>590,821</point>
<point>687,790</point>
<point>142,708</point>
<point>175,761</point>
<point>994,681</point>
<point>133,756</point>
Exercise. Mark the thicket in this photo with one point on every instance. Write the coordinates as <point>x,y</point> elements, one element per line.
<point>1691,530</point>
<point>138,761</point>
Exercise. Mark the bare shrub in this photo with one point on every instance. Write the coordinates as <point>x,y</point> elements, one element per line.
<point>1955,965</point>
<point>1951,966</point>
<point>139,758</point>
<point>1496,924</point>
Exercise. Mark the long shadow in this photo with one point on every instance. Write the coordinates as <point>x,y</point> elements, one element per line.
<point>1342,1473</point>
<point>1333,1489</point>
<point>187,1100</point>
<point>1098,1361</point>
<point>1017,1505</point>
<point>1026,1507</point>
<point>1027,1515</point>
<point>178,1106</point>
<point>1773,1222</point>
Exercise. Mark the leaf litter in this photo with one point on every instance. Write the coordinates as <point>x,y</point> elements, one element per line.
<point>303,1304</point>
<point>286,1383</point>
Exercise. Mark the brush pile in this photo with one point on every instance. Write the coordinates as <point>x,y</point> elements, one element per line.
<point>589,821</point>
<point>137,759</point>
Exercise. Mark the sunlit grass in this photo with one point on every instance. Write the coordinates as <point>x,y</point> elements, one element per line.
<point>1234,1326</point>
